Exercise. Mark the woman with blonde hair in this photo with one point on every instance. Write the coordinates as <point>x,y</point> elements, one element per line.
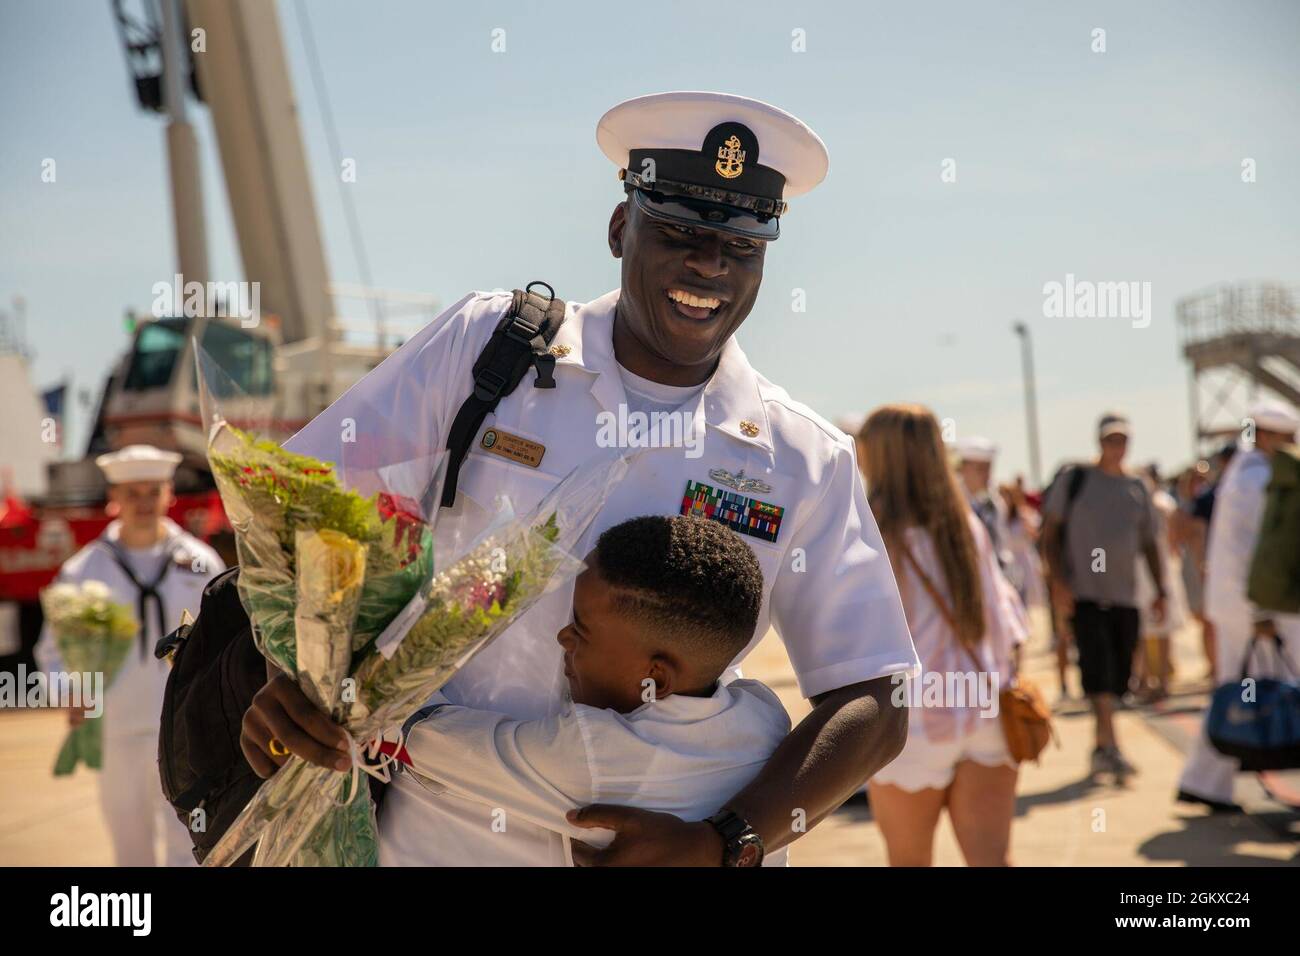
<point>966,623</point>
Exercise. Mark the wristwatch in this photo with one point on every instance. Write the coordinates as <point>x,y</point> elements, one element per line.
<point>741,846</point>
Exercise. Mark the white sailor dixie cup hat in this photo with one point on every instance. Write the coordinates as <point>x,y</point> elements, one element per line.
<point>138,463</point>
<point>975,449</point>
<point>1271,415</point>
<point>712,160</point>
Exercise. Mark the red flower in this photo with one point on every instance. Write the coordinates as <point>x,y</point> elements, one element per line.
<point>408,524</point>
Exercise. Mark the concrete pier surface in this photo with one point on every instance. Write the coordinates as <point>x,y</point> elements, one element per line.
<point>1062,818</point>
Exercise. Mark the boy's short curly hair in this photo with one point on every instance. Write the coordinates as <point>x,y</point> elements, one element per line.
<point>692,579</point>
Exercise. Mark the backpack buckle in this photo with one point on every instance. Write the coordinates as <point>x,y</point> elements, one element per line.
<point>488,385</point>
<point>545,363</point>
<point>166,648</point>
<point>521,330</point>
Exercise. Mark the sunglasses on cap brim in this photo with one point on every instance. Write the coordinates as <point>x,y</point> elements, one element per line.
<point>699,214</point>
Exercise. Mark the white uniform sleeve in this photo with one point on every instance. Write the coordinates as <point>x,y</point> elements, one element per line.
<point>1234,530</point>
<point>840,618</point>
<point>212,565</point>
<point>535,769</point>
<point>399,414</point>
<point>46,651</point>
<point>215,564</point>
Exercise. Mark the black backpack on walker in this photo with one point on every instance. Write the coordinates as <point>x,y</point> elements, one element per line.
<point>216,666</point>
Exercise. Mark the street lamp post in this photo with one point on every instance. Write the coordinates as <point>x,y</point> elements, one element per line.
<point>1031,400</point>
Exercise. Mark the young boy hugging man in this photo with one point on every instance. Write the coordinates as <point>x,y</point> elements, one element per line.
<point>665,604</point>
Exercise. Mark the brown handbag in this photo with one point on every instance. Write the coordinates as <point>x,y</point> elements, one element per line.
<point>1026,718</point>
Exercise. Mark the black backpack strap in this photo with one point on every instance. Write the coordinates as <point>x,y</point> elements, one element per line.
<point>1077,474</point>
<point>521,340</point>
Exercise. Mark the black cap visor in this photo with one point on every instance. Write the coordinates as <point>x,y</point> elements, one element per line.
<point>699,214</point>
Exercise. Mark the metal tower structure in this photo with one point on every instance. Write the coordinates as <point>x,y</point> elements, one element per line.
<point>1238,338</point>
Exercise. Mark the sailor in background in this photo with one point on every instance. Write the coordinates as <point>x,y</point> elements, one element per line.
<point>154,567</point>
<point>1234,529</point>
<point>975,457</point>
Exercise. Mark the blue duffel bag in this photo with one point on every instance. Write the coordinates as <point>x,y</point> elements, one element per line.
<point>1257,720</point>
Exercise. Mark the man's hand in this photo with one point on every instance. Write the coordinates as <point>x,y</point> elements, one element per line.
<point>645,838</point>
<point>1265,627</point>
<point>1158,609</point>
<point>851,733</point>
<point>280,710</point>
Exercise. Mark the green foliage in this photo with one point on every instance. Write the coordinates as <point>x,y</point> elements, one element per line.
<point>295,491</point>
<point>270,495</point>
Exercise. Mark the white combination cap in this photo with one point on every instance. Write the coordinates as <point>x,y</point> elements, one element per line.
<point>975,449</point>
<point>712,160</point>
<point>138,463</point>
<point>1273,415</point>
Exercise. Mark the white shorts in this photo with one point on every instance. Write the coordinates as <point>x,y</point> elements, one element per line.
<point>926,764</point>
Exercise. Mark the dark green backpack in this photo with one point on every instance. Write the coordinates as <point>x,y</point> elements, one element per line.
<point>1274,582</point>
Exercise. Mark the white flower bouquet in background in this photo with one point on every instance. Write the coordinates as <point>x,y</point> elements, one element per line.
<point>93,634</point>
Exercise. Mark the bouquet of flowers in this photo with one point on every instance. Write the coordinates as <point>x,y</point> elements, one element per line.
<point>345,595</point>
<point>93,635</point>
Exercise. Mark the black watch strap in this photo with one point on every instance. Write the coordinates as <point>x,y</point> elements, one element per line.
<point>741,845</point>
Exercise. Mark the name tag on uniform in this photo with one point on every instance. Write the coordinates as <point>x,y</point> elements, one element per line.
<point>738,512</point>
<point>512,447</point>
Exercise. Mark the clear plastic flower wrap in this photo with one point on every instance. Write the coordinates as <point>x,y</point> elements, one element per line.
<point>297,527</point>
<point>93,634</point>
<point>347,596</point>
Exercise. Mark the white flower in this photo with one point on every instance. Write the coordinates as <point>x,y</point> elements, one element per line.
<point>61,593</point>
<point>96,591</point>
<point>60,600</point>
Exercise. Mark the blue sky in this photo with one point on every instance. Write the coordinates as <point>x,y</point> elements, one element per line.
<point>1122,165</point>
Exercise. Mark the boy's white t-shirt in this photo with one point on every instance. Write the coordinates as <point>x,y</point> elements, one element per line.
<point>682,755</point>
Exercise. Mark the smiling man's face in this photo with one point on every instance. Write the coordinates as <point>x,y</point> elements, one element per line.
<point>684,292</point>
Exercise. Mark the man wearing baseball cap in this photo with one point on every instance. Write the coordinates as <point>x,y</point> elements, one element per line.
<point>1098,522</point>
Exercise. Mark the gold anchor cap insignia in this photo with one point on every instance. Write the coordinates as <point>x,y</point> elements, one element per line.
<point>559,351</point>
<point>731,158</point>
<point>748,428</point>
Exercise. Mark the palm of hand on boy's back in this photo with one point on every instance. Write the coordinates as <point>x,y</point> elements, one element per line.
<point>645,838</point>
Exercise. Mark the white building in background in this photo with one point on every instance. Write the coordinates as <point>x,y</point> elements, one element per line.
<point>28,436</point>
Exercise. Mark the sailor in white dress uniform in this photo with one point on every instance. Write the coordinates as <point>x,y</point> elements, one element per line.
<point>1209,775</point>
<point>748,455</point>
<point>159,571</point>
